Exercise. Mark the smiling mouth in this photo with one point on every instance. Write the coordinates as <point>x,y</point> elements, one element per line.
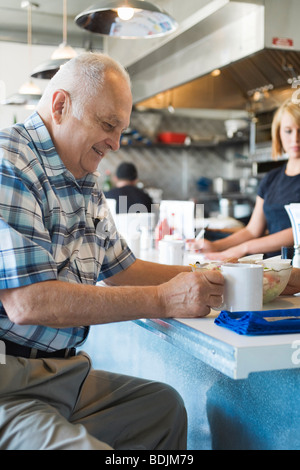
<point>98,152</point>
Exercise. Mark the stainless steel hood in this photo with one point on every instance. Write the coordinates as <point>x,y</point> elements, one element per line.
<point>254,44</point>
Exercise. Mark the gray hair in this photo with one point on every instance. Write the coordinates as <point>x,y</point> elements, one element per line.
<point>82,77</point>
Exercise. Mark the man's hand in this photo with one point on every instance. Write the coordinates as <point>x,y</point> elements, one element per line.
<point>190,295</point>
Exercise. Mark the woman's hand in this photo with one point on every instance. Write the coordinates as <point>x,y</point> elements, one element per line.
<point>235,252</point>
<point>203,245</point>
<point>293,286</point>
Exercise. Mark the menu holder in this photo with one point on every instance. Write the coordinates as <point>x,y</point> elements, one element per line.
<point>269,322</point>
<point>180,216</point>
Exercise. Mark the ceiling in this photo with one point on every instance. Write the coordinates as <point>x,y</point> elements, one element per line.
<point>47,22</point>
<point>254,45</point>
<point>177,69</point>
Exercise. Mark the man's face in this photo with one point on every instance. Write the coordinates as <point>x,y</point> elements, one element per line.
<point>83,143</point>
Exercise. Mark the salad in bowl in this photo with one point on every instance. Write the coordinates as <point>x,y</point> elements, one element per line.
<point>275,280</point>
<point>277,273</point>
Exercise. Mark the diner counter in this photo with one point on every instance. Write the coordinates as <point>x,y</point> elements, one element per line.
<point>228,352</point>
<point>234,355</point>
<point>240,392</point>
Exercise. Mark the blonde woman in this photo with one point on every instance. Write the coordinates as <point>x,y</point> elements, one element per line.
<point>269,227</point>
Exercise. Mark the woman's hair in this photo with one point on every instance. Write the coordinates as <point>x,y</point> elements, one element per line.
<point>82,77</point>
<point>294,110</point>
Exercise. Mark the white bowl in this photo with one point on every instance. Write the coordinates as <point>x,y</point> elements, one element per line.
<point>251,258</point>
<point>212,265</point>
<point>275,280</point>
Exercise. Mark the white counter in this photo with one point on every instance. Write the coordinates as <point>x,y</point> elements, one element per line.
<point>230,353</point>
<point>190,257</point>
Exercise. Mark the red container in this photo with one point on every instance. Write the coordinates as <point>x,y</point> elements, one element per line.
<point>172,137</point>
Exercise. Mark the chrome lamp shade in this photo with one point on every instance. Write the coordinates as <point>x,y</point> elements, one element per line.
<point>147,21</point>
<point>20,99</point>
<point>48,69</point>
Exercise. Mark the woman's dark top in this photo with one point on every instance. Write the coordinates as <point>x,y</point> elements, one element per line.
<point>277,189</point>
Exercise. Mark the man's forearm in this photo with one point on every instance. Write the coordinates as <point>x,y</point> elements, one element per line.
<point>60,305</point>
<point>142,273</point>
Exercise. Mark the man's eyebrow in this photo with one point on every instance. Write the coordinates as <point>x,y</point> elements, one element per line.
<point>110,118</point>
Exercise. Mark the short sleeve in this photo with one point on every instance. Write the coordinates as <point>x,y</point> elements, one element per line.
<point>266,184</point>
<point>25,245</point>
<point>262,187</point>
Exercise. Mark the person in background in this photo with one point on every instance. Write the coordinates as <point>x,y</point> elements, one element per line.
<point>57,240</point>
<point>126,193</point>
<point>269,227</point>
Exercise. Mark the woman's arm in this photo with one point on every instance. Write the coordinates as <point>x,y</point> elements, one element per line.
<point>293,286</point>
<point>255,228</point>
<point>266,244</point>
<point>250,240</point>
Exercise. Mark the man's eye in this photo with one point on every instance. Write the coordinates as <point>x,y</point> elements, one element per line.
<point>108,126</point>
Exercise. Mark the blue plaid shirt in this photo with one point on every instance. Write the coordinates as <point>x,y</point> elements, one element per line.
<point>47,228</point>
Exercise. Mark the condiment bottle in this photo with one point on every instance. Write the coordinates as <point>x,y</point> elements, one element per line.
<point>162,228</point>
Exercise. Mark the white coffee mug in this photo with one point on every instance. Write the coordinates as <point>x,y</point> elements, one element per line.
<point>243,289</point>
<point>171,251</point>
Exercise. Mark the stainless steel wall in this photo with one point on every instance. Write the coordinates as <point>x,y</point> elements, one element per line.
<point>176,170</point>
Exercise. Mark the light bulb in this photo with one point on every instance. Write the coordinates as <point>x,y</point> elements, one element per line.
<point>64,52</point>
<point>29,88</point>
<point>125,13</point>
<point>216,72</point>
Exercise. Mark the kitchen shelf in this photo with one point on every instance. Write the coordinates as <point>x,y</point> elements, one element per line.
<point>194,145</point>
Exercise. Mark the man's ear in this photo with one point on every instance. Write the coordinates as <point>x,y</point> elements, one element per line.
<point>60,104</point>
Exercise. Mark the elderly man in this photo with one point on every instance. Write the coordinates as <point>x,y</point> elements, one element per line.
<point>57,240</point>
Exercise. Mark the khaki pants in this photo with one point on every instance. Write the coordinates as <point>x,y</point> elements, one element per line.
<point>51,404</point>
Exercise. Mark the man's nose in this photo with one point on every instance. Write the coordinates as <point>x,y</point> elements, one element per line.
<point>114,142</point>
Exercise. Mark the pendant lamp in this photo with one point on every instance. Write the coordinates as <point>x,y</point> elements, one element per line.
<point>126,19</point>
<point>29,94</point>
<point>60,56</point>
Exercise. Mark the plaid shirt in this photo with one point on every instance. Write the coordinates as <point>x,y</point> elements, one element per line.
<point>47,228</point>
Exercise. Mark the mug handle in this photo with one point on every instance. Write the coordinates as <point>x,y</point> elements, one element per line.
<point>220,307</point>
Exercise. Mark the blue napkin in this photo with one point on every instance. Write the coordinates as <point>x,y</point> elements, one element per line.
<point>270,322</point>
